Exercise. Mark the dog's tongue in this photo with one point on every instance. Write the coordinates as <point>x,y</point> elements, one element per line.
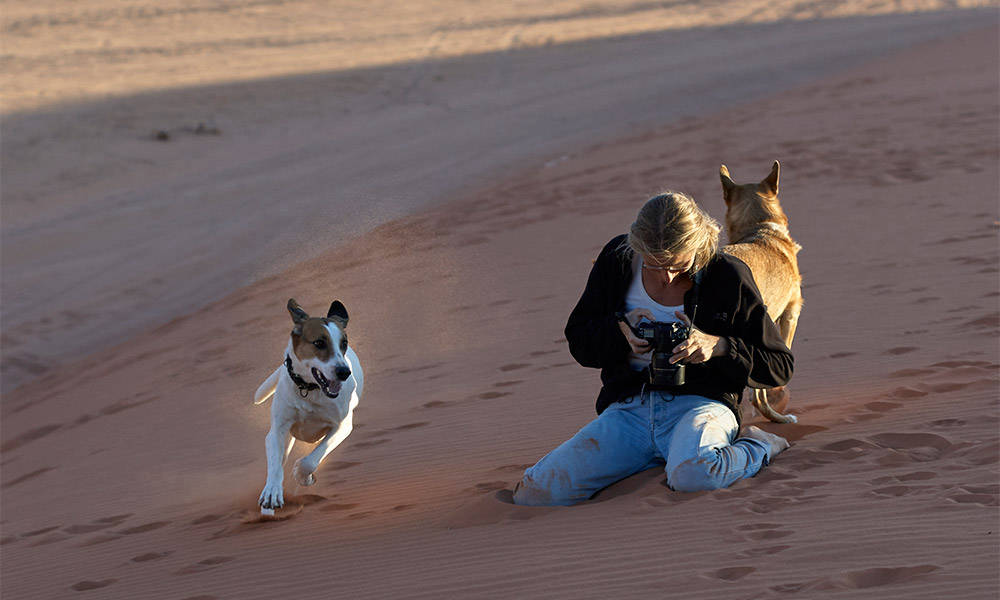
<point>334,386</point>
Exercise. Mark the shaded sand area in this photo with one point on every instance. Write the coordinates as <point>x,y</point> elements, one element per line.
<point>107,232</point>
<point>136,470</point>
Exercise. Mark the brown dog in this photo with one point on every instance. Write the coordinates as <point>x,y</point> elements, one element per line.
<point>758,235</point>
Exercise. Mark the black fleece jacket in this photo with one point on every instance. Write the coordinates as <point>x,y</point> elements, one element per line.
<point>729,306</point>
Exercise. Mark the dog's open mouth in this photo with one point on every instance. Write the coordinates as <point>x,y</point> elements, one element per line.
<point>330,388</point>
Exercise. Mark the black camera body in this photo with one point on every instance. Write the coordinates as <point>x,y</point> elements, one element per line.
<point>663,337</point>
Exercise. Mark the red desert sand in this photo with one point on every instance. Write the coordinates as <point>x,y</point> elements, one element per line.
<point>133,472</point>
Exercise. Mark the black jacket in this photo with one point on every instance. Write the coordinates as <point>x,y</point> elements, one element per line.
<point>729,305</point>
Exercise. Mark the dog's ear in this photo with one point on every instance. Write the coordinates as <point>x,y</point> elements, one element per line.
<point>769,187</point>
<point>299,316</point>
<point>337,312</point>
<point>728,185</point>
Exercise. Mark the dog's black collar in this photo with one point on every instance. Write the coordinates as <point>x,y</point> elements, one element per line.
<point>304,387</point>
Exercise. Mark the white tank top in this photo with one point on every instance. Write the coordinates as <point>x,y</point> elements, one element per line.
<point>637,297</point>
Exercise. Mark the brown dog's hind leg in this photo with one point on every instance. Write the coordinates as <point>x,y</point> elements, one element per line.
<point>773,403</point>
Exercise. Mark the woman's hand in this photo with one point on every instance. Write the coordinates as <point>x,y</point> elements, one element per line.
<point>699,346</point>
<point>633,316</point>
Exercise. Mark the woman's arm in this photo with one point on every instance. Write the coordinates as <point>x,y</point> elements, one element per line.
<point>595,339</point>
<point>756,354</point>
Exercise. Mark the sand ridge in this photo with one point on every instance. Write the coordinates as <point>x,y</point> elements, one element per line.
<point>58,53</point>
<point>890,489</point>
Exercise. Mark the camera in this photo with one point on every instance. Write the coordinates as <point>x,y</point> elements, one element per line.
<point>663,337</point>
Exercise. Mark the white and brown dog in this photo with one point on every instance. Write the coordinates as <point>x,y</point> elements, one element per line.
<point>315,393</point>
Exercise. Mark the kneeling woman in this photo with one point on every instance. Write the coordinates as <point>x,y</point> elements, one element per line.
<point>666,269</point>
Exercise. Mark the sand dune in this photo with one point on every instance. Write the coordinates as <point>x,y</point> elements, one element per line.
<point>107,232</point>
<point>133,472</point>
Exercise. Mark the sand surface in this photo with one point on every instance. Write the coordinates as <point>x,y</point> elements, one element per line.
<point>107,232</point>
<point>133,471</point>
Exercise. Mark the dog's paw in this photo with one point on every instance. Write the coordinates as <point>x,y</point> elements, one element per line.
<point>272,497</point>
<point>303,473</point>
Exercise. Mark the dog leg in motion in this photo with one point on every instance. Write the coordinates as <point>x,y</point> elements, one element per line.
<point>307,465</point>
<point>278,444</point>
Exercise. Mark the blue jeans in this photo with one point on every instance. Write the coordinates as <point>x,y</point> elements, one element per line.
<point>691,436</point>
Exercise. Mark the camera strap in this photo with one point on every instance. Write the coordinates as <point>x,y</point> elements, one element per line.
<point>695,290</point>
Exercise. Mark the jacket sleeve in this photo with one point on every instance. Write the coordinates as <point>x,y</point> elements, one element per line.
<point>595,340</point>
<point>757,354</point>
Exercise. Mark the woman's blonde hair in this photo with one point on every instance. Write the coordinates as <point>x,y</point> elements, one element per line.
<point>670,224</point>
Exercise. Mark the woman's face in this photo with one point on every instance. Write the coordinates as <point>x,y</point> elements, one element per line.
<point>667,271</point>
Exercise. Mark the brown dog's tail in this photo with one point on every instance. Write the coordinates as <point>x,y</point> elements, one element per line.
<point>762,406</point>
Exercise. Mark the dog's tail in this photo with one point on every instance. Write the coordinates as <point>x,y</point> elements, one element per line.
<point>266,389</point>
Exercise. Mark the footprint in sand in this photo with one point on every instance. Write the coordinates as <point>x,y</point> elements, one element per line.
<point>40,531</point>
<point>206,519</point>
<point>756,532</point>
<point>981,495</point>
<point>914,476</point>
<point>123,405</point>
<point>96,525</point>
<point>371,443</point>
<point>421,368</point>
<point>917,447</point>
<point>27,476</point>
<point>411,426</point>
<point>508,383</point>
<point>989,323</point>
<point>150,556</point>
<point>83,586</point>
<point>731,573</point>
<point>492,395</point>
<point>514,366</point>
<point>907,392</point>
<point>856,580</point>
<point>946,423</point>
<point>144,528</point>
<point>978,454</point>
<point>30,436</point>
<point>901,350</point>
<point>543,352</point>
<point>757,552</point>
<point>204,565</point>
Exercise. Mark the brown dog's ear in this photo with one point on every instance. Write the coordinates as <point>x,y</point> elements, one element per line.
<point>727,182</point>
<point>338,312</point>
<point>769,187</point>
<point>299,316</point>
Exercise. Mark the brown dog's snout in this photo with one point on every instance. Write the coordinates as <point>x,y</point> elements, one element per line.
<point>343,373</point>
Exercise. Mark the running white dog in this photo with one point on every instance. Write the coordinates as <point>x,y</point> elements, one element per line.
<point>315,393</point>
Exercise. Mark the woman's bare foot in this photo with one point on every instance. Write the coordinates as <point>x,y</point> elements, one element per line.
<point>775,443</point>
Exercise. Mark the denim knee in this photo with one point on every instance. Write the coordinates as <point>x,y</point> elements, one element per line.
<point>529,492</point>
<point>696,474</point>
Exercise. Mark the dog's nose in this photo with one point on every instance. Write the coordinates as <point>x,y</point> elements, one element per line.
<point>343,373</point>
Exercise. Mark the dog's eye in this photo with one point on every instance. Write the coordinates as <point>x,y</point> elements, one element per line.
<point>320,344</point>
